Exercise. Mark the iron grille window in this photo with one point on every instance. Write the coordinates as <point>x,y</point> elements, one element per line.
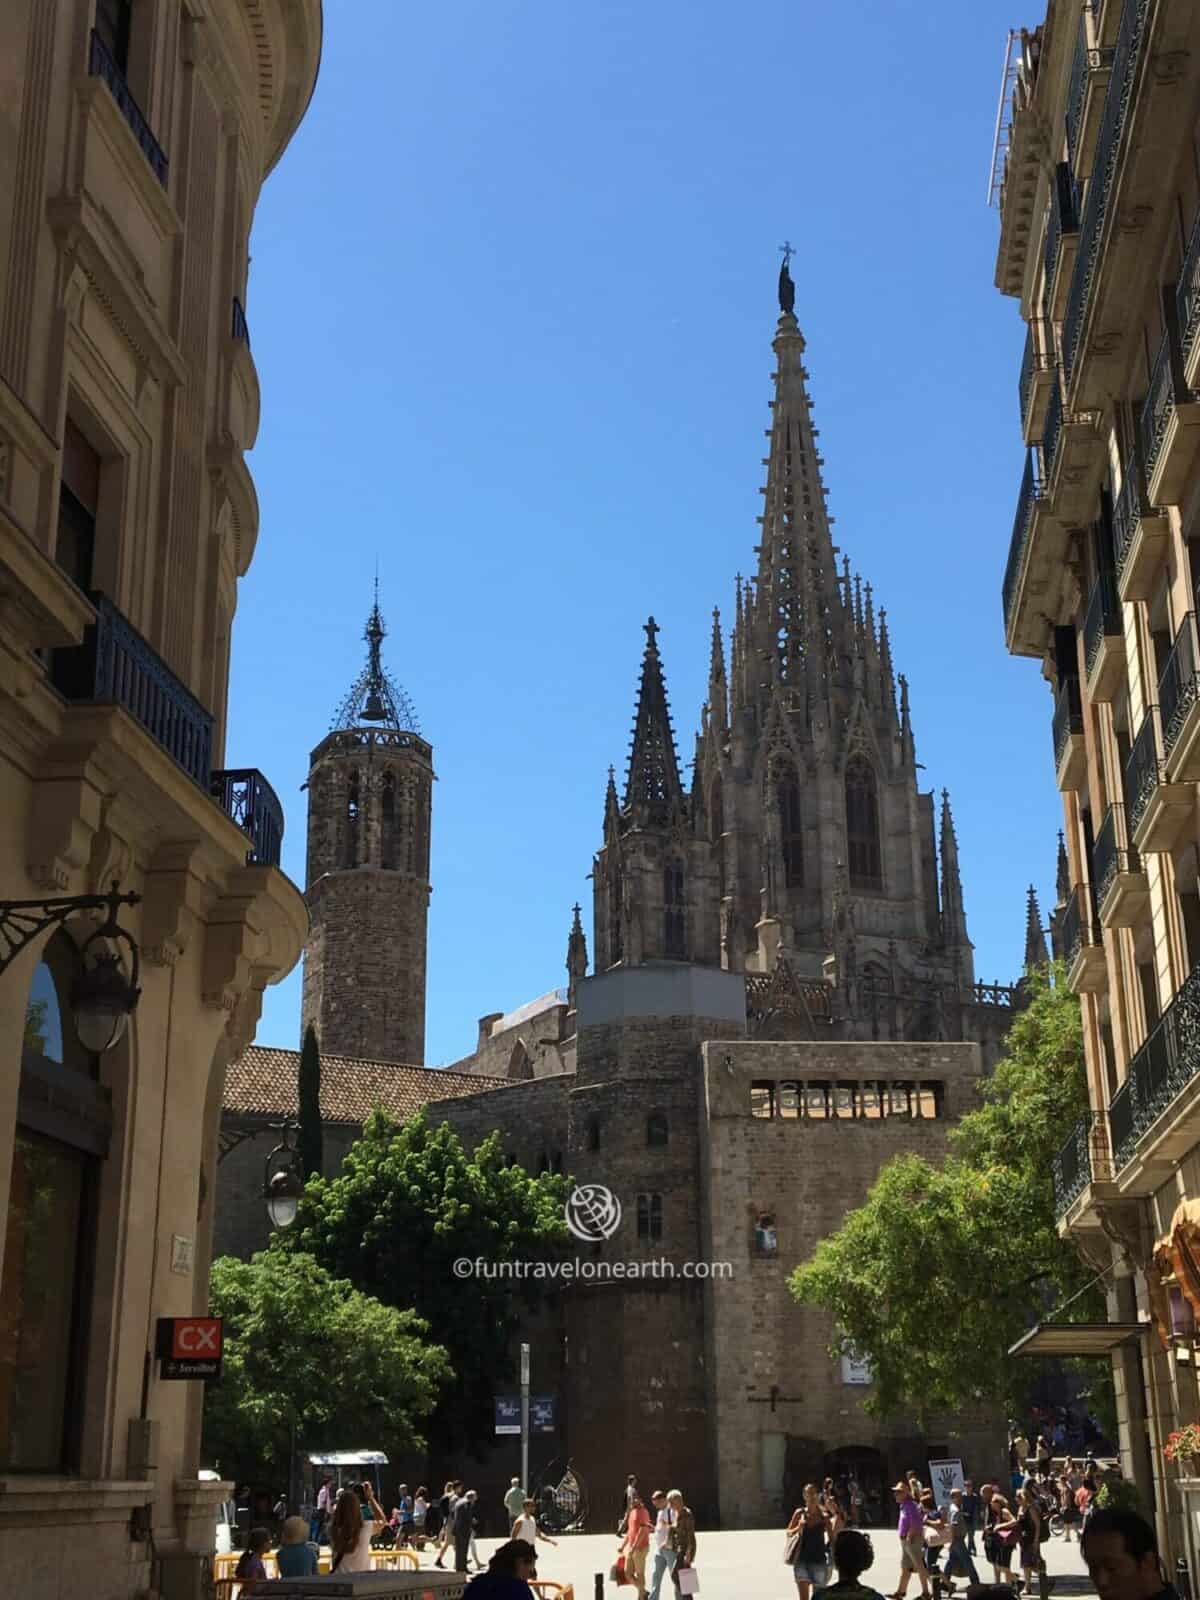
<point>650,1216</point>
<point>862,827</point>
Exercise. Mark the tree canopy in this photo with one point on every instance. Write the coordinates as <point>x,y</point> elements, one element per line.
<point>944,1267</point>
<point>408,1204</point>
<point>306,1350</point>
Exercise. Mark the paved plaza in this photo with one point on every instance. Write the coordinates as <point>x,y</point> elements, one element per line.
<point>735,1564</point>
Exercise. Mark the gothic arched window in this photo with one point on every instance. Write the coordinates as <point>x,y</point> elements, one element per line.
<point>387,821</point>
<point>862,826</point>
<point>656,1129</point>
<point>791,825</point>
<point>674,919</point>
<point>593,1134</point>
<point>352,809</point>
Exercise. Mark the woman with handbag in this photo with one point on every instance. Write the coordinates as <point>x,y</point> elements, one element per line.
<point>805,1542</point>
<point>1004,1533</point>
<point>1028,1539</point>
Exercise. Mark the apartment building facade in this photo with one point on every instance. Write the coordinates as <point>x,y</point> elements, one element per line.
<point>135,136</point>
<point>1099,193</point>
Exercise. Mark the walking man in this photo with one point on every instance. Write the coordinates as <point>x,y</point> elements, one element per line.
<point>683,1535</point>
<point>970,1514</point>
<point>958,1557</point>
<point>911,1528</point>
<point>514,1501</point>
<point>462,1518</point>
<point>664,1556</point>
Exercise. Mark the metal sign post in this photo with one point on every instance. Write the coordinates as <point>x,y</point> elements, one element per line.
<point>525,1418</point>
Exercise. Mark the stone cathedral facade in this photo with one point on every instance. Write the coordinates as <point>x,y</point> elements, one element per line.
<point>783,996</point>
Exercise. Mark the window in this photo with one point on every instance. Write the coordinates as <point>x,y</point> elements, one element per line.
<point>113,18</point>
<point>387,821</point>
<point>843,1100</point>
<point>791,826</point>
<point>674,925</point>
<point>615,949</point>
<point>656,1129</point>
<point>649,1216</point>
<point>862,826</point>
<point>762,1100</point>
<point>63,1124</point>
<point>766,1240</point>
<point>78,497</point>
<point>350,853</point>
<point>789,1101</point>
<point>593,1134</point>
<point>816,1101</point>
<point>556,1162</point>
<point>716,819</point>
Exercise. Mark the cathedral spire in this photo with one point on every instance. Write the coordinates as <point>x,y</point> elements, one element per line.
<point>1035,938</point>
<point>718,694</point>
<point>374,696</point>
<point>887,681</point>
<point>577,957</point>
<point>800,622</point>
<point>954,920</point>
<point>1063,877</point>
<point>612,809</point>
<point>653,779</point>
<point>908,750</point>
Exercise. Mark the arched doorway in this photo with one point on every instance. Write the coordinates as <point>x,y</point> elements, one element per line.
<point>864,1465</point>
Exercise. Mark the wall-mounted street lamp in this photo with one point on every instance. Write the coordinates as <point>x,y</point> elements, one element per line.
<point>283,1181</point>
<point>103,996</point>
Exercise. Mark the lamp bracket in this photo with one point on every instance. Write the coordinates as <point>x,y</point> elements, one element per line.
<point>21,921</point>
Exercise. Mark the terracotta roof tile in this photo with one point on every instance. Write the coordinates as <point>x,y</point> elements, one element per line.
<point>262,1082</point>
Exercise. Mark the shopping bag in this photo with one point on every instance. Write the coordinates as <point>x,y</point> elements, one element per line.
<point>689,1581</point>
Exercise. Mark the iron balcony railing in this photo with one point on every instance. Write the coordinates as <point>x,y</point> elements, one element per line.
<point>1030,494</point>
<point>1083,65</point>
<point>1179,684</point>
<point>1143,769</point>
<point>1083,1159</point>
<point>1117,100</point>
<point>101,64</point>
<point>252,803</point>
<point>1068,716</point>
<point>1063,217</point>
<point>1053,431</point>
<point>114,663</point>
<point>1167,390</point>
<point>1187,294</point>
<point>1111,853</point>
<point>1166,1064</point>
<point>1078,927</point>
<point>1038,357</point>
<point>1102,618</point>
<point>1129,509</point>
<point>239,328</point>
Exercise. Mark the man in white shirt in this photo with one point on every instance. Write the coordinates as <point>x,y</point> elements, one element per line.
<point>664,1556</point>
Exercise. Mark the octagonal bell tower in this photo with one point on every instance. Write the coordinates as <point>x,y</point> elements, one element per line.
<point>370,788</point>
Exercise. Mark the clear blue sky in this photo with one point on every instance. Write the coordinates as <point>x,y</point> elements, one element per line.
<point>511,300</point>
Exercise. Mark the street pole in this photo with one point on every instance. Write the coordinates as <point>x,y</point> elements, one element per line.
<point>525,1418</point>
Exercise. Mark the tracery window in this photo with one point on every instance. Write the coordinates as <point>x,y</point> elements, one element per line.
<point>674,917</point>
<point>862,826</point>
<point>791,825</point>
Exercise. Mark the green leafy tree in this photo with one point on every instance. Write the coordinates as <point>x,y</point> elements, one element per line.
<point>308,1093</point>
<point>943,1268</point>
<point>408,1204</point>
<point>307,1352</point>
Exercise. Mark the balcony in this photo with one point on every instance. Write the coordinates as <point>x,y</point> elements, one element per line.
<point>1037,377</point>
<point>1062,241</point>
<point>114,663</point>
<point>1073,458</point>
<point>1179,703</point>
<point>1083,951</point>
<point>1090,72</point>
<point>1070,753</point>
<point>1154,1108</point>
<point>1156,811</point>
<point>1083,1160</point>
<point>1169,428</point>
<point>1139,535</point>
<point>102,65</point>
<point>1121,890</point>
<point>1036,555</point>
<point>252,803</point>
<point>1187,308</point>
<point>1103,641</point>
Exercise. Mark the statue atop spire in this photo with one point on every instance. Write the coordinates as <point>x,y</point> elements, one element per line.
<point>787,289</point>
<point>375,696</point>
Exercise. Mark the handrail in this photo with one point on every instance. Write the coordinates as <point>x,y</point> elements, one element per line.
<point>1187,294</point>
<point>102,64</point>
<point>1101,619</point>
<point>1179,683</point>
<point>1030,493</point>
<point>1078,927</point>
<point>1143,769</point>
<point>1166,1063</point>
<point>1068,716</point>
<point>1111,852</point>
<point>252,803</point>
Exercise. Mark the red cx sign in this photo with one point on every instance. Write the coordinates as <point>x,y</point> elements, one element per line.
<point>196,1338</point>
